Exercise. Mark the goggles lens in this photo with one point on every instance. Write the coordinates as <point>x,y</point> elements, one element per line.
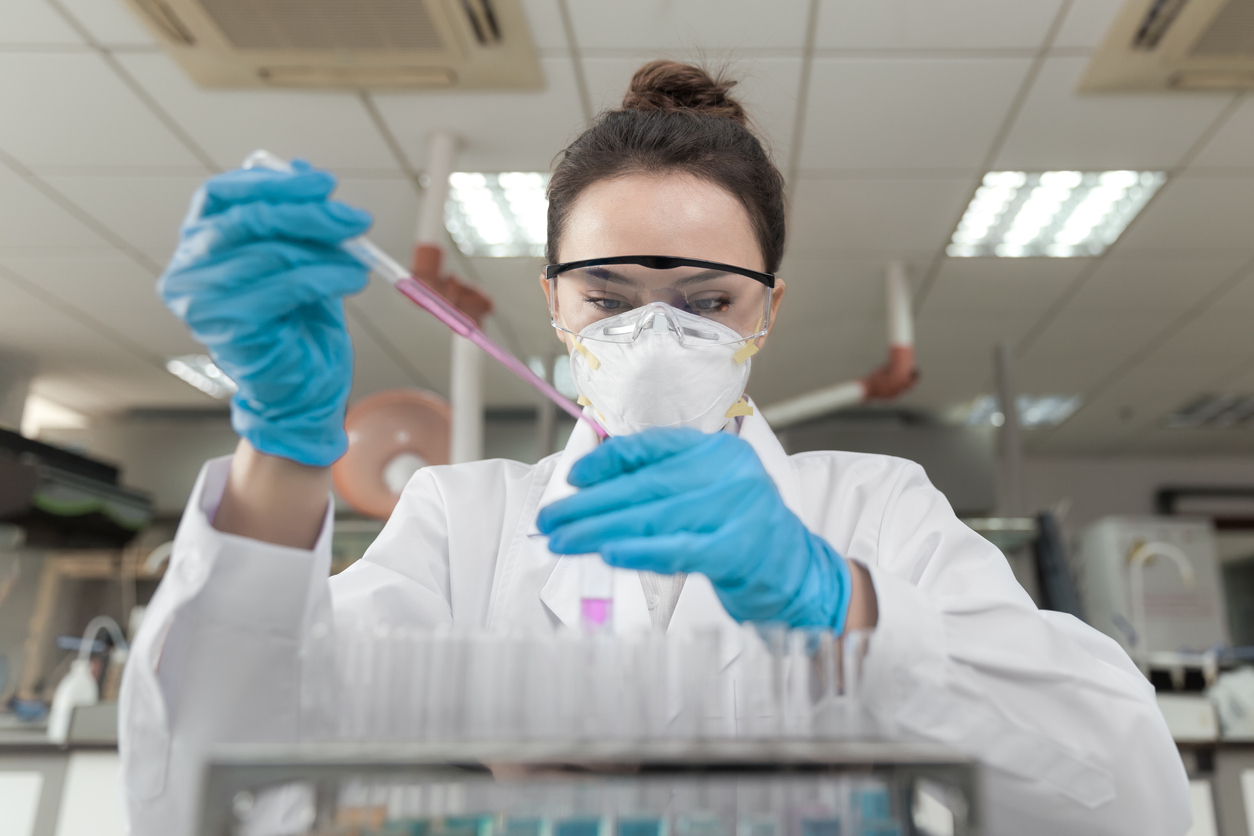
<point>585,295</point>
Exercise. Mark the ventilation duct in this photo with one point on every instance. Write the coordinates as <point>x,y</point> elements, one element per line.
<point>348,44</point>
<point>1176,45</point>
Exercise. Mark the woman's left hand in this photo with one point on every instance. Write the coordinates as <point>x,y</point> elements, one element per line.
<point>678,500</point>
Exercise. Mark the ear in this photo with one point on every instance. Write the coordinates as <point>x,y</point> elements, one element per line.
<point>777,296</point>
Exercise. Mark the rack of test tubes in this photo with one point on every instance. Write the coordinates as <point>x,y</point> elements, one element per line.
<point>663,788</point>
<point>401,683</point>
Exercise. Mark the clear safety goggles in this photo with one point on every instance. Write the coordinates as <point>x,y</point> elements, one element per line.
<point>584,293</point>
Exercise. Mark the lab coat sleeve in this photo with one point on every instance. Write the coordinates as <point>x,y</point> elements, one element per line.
<point>220,657</point>
<point>1067,728</point>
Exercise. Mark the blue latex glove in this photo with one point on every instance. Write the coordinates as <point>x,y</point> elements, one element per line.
<point>259,278</point>
<point>678,500</point>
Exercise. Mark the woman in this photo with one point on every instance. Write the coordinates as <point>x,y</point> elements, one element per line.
<point>721,525</point>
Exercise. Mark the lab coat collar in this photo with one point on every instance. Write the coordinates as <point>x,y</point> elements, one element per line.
<point>698,606</point>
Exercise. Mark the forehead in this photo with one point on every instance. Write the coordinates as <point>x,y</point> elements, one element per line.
<point>660,214</point>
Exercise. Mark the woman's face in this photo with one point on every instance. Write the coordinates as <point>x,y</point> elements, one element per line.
<point>664,214</point>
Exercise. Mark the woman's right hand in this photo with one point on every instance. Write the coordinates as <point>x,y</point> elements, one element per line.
<point>259,278</point>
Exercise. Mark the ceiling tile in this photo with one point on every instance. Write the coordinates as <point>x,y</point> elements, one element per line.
<point>110,23</point>
<point>1240,299</point>
<point>1060,129</point>
<point>70,109</point>
<point>500,131</point>
<point>1241,379</point>
<point>545,19</point>
<point>969,336</point>
<point>821,290</point>
<point>947,382</point>
<point>688,25</point>
<point>906,113</point>
<point>144,210</point>
<point>62,344</point>
<point>1196,213</point>
<point>1105,338</point>
<point>767,87</point>
<point>30,220</point>
<point>926,24</point>
<point>394,204</point>
<point>896,218</point>
<point>1044,374</point>
<point>329,129</point>
<point>1219,337</point>
<point>1019,286</point>
<point>114,291</point>
<point>1087,23</point>
<point>1125,283</point>
<point>33,22</point>
<point>1232,146</point>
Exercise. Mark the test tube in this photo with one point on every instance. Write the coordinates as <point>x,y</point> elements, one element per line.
<point>596,594</point>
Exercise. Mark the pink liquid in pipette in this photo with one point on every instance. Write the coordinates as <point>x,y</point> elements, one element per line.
<point>596,613</point>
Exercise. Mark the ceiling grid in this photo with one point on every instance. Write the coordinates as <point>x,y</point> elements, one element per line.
<point>978,84</point>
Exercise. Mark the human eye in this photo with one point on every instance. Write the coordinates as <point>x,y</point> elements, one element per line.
<point>608,304</point>
<point>710,304</point>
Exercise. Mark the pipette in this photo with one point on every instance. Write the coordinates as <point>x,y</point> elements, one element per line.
<point>383,265</point>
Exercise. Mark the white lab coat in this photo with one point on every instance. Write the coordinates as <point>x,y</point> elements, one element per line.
<point>238,633</point>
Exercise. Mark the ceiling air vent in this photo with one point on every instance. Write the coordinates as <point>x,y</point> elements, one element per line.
<point>1214,411</point>
<point>348,44</point>
<point>1176,45</point>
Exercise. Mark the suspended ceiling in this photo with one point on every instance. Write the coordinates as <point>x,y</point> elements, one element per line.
<point>884,117</point>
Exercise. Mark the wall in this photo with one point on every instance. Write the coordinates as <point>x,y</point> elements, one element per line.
<point>1097,487</point>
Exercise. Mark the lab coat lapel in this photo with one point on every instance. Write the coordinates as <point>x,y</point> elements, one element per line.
<point>561,593</point>
<point>698,605</point>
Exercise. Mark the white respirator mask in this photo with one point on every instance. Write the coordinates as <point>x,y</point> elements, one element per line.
<point>669,368</point>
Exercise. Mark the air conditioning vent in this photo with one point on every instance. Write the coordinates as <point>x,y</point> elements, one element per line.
<point>324,24</point>
<point>1231,33</point>
<point>1229,410</point>
<point>348,44</point>
<point>1157,20</point>
<point>1176,44</point>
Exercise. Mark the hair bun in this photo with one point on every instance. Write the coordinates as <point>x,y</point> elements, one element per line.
<point>671,87</point>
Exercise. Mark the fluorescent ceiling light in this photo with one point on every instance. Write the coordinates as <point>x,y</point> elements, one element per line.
<point>499,215</point>
<point>1063,214</point>
<point>1034,410</point>
<point>39,414</point>
<point>1214,411</point>
<point>199,371</point>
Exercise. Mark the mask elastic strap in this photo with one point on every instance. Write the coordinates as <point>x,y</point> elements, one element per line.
<point>588,355</point>
<point>747,351</point>
<point>740,407</point>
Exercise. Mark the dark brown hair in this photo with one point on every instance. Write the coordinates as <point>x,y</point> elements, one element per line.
<point>675,118</point>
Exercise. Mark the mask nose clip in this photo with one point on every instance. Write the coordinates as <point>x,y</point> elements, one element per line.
<point>659,318</point>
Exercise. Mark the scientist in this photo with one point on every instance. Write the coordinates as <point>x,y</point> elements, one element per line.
<point>665,229</point>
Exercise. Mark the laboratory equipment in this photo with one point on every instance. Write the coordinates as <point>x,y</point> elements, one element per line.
<point>79,688</point>
<point>391,435</point>
<point>403,683</point>
<point>596,593</point>
<point>381,264</point>
<point>749,788</point>
<point>1152,584</point>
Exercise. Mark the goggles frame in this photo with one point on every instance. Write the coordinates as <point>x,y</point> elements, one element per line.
<point>657,262</point>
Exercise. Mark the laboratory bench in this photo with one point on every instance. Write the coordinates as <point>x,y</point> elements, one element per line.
<point>61,789</point>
